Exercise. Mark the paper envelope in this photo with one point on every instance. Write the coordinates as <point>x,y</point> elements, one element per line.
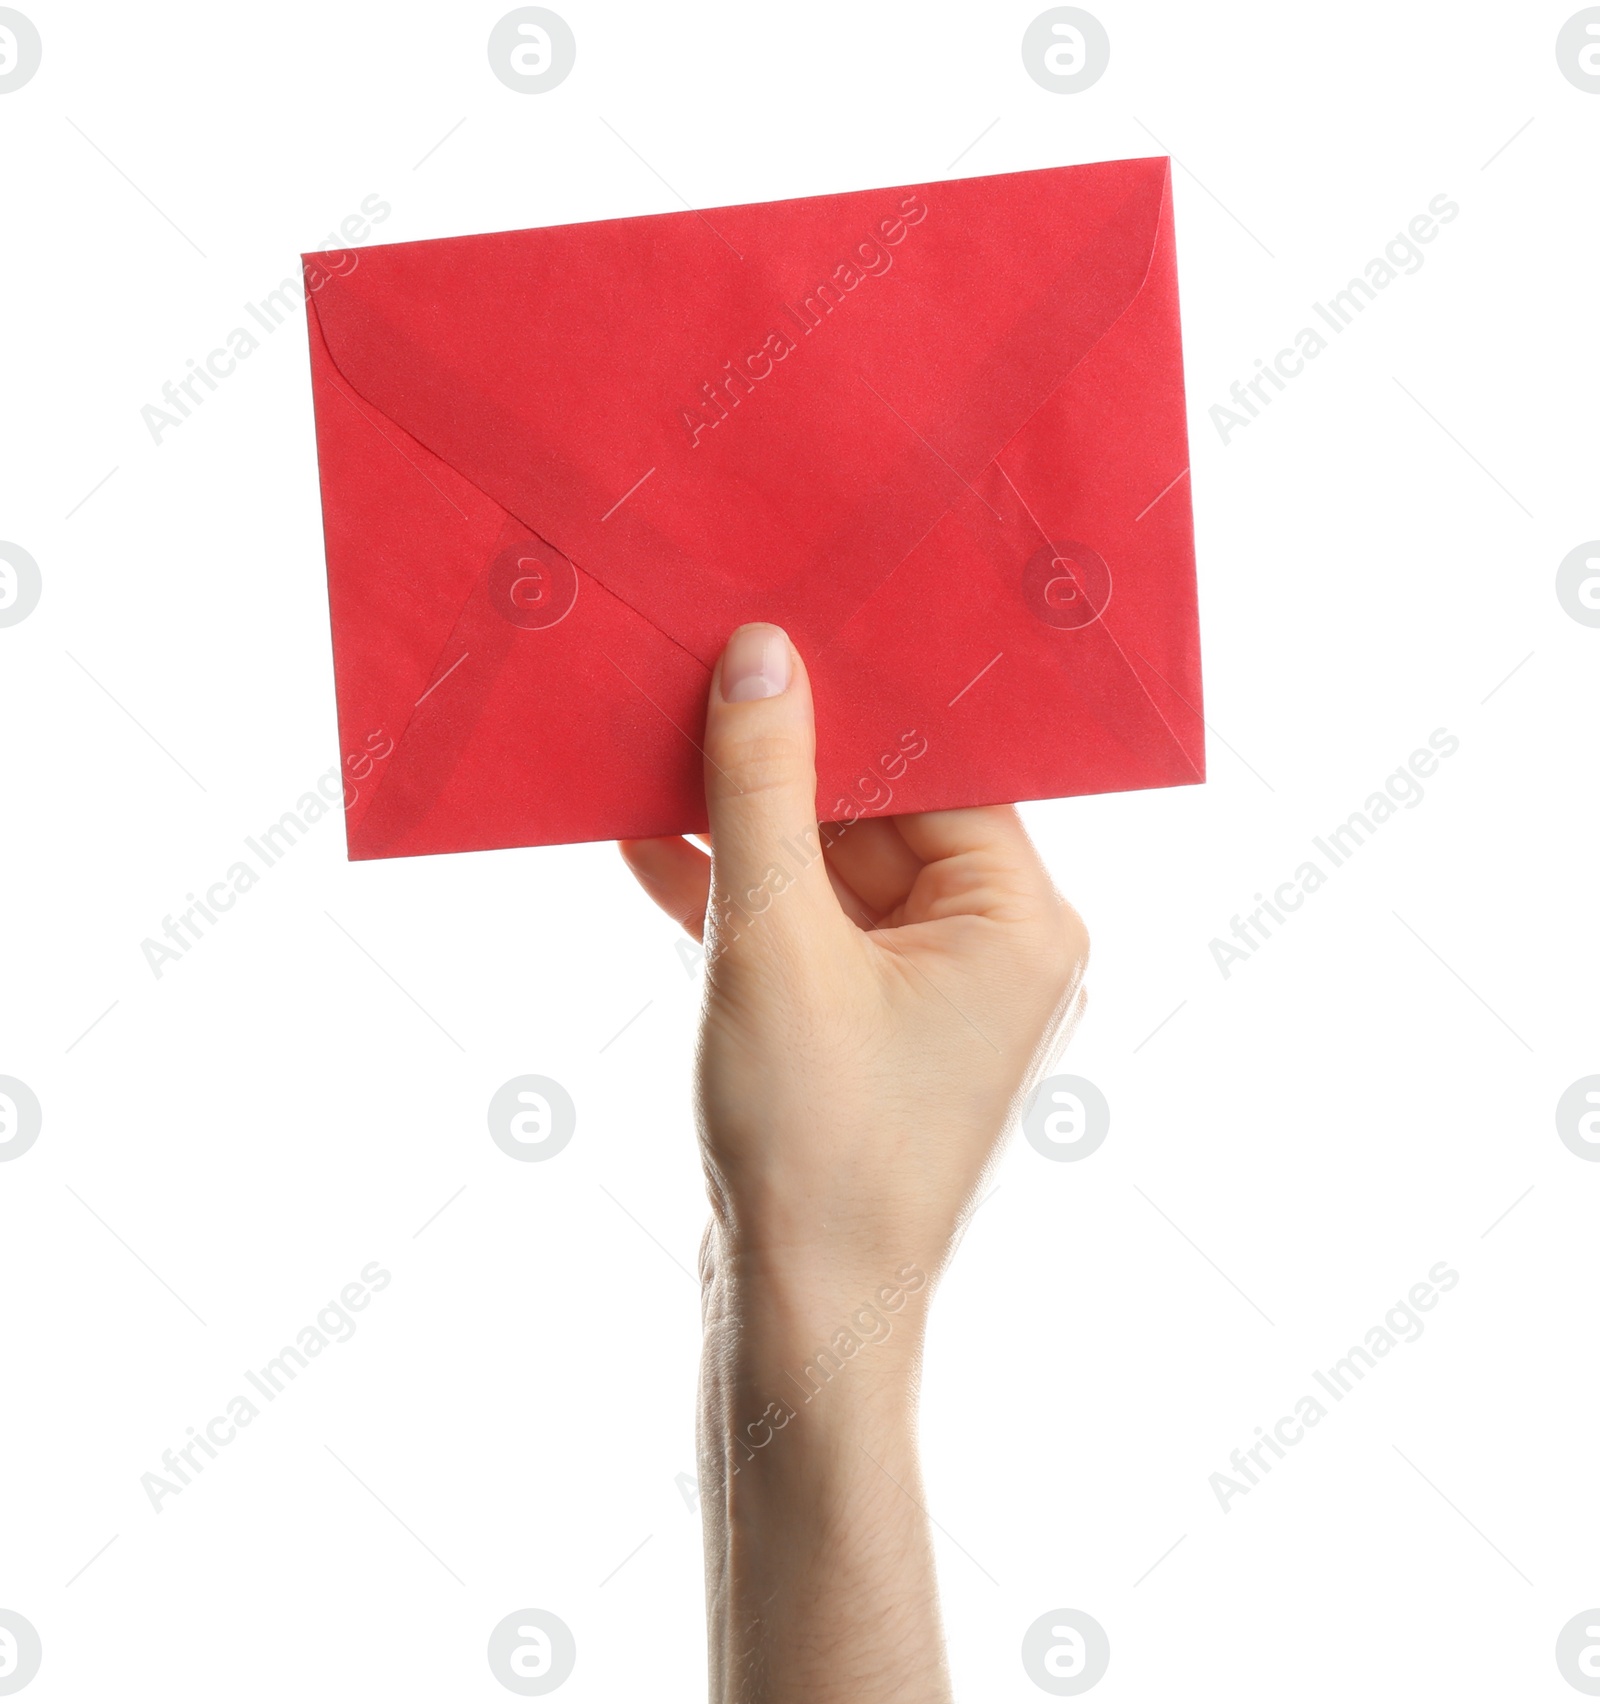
<point>936,432</point>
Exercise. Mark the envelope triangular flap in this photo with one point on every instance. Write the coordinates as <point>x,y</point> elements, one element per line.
<point>619,386</point>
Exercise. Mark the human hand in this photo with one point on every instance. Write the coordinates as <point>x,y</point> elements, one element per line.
<point>878,999</point>
<point>878,996</point>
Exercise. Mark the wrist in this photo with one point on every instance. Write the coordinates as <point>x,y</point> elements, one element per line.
<point>790,1349</point>
<point>778,1305</point>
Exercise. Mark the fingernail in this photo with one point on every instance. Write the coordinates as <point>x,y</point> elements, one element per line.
<point>755,664</point>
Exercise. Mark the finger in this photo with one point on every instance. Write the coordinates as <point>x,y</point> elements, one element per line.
<point>976,860</point>
<point>676,876</point>
<point>761,787</point>
<point>872,856</point>
<point>990,831</point>
<point>851,903</point>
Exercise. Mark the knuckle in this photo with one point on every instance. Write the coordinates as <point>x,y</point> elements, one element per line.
<point>1077,935</point>
<point>1060,948</point>
<point>764,763</point>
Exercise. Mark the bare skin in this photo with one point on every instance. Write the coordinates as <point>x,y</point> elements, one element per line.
<point>874,1015</point>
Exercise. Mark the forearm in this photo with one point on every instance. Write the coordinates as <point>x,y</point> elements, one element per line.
<point>819,1571</point>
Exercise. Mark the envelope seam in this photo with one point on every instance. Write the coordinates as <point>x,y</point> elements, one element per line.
<point>477,583</point>
<point>1044,402</point>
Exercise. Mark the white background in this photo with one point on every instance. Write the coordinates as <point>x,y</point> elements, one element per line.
<point>1354,1104</point>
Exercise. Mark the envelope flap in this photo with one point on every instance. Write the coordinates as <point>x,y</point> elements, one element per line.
<point>752,412</point>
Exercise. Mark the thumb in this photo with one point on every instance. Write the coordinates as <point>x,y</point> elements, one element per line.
<point>761,788</point>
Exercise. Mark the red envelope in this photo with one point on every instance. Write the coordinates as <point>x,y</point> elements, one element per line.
<point>936,432</point>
